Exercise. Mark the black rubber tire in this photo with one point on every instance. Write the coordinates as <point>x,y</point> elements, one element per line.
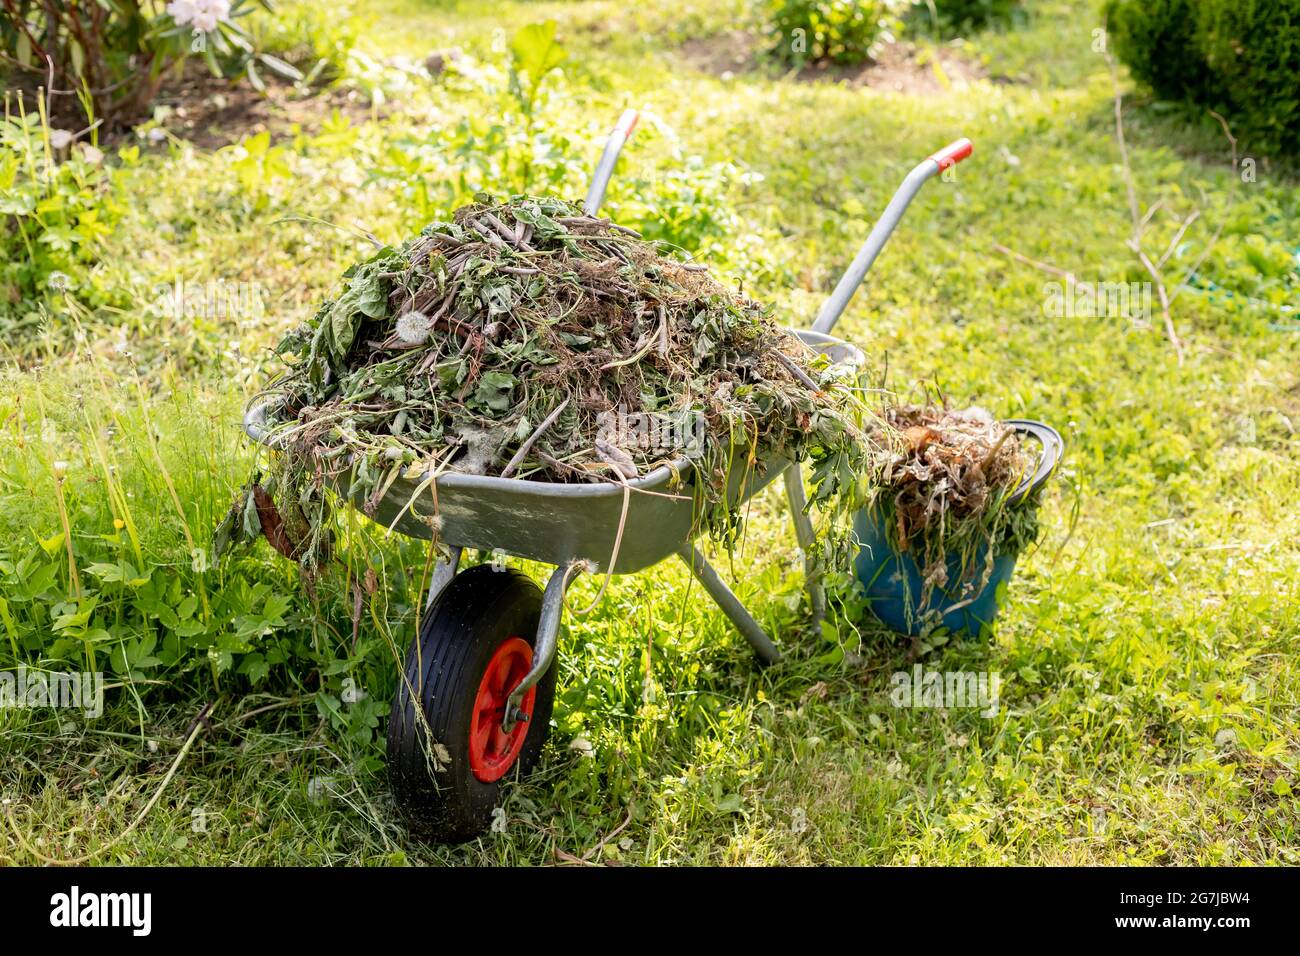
<point>435,789</point>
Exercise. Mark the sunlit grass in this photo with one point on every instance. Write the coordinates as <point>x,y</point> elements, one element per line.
<point>1148,711</point>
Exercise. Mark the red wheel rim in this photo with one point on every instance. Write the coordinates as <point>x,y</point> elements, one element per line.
<point>492,751</point>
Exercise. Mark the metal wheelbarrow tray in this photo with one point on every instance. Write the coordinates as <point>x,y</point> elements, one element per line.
<point>583,526</point>
<point>559,523</point>
<point>479,678</point>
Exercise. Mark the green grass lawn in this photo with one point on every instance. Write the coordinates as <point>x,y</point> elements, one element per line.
<point>1148,710</point>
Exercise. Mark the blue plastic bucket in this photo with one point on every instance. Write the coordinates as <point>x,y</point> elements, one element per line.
<point>893,581</point>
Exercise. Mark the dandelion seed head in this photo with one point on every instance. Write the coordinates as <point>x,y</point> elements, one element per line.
<point>414,327</point>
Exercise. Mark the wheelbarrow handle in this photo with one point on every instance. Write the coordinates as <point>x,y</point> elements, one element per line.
<point>1053,447</point>
<point>618,137</point>
<point>931,166</point>
<point>953,153</point>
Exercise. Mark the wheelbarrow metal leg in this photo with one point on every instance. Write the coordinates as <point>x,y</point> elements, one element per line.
<point>548,632</point>
<point>803,532</point>
<point>443,572</point>
<point>730,604</point>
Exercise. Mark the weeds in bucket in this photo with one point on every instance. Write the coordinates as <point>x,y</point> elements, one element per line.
<point>947,486</point>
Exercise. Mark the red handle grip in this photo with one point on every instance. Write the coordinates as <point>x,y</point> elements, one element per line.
<point>626,123</point>
<point>953,153</point>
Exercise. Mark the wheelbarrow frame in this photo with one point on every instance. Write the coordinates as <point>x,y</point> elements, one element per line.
<point>573,527</point>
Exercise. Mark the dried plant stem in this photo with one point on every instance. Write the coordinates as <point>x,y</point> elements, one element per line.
<point>1135,242</point>
<point>1164,298</point>
<point>199,723</point>
<point>993,452</point>
<point>1041,266</point>
<point>527,446</point>
<point>796,371</point>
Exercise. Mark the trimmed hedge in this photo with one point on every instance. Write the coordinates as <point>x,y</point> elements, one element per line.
<point>1238,57</point>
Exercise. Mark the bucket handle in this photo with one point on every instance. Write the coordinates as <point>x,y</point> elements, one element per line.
<point>1053,448</point>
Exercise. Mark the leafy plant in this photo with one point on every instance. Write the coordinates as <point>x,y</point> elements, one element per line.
<point>534,52</point>
<point>57,201</point>
<point>315,41</point>
<point>116,53</point>
<point>835,31</point>
<point>257,165</point>
<point>687,205</point>
<point>946,16</point>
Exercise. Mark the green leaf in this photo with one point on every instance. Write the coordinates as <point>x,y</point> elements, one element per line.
<point>731,803</point>
<point>255,668</point>
<point>495,389</point>
<point>536,51</point>
<point>78,57</point>
<point>372,298</point>
<point>8,620</point>
<point>278,66</point>
<point>120,573</point>
<point>78,619</point>
<point>273,610</point>
<point>254,78</point>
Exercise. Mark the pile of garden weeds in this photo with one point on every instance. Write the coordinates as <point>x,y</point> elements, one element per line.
<point>525,339</point>
<point>946,485</point>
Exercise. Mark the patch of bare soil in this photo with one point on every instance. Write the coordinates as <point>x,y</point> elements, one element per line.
<point>723,53</point>
<point>211,112</point>
<point>899,67</point>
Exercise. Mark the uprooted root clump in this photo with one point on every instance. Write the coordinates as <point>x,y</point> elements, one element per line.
<point>526,339</point>
<point>945,485</point>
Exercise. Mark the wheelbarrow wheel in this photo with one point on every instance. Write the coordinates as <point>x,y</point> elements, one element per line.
<point>474,646</point>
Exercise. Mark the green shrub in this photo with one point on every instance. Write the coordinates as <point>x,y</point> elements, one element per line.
<point>1238,57</point>
<point>1253,51</point>
<point>315,39</point>
<point>118,53</point>
<point>835,31</point>
<point>948,15</point>
<point>1157,40</point>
